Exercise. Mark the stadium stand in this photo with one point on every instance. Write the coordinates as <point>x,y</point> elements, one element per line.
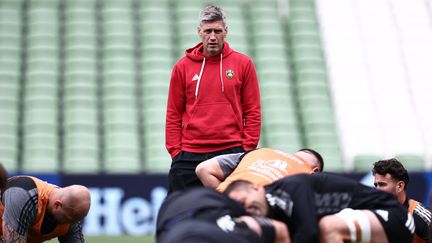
<point>415,35</point>
<point>119,86</point>
<point>41,87</point>
<point>81,146</point>
<point>156,60</point>
<point>10,76</point>
<point>279,113</point>
<point>311,85</point>
<point>84,83</point>
<point>370,81</point>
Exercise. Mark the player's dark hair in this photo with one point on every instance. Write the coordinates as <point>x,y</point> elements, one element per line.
<point>237,184</point>
<point>317,155</point>
<point>394,168</point>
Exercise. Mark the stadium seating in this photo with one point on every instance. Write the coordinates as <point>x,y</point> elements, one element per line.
<point>413,23</point>
<point>84,83</point>
<point>311,85</point>
<point>10,77</point>
<point>41,88</point>
<point>270,54</point>
<point>81,140</point>
<point>372,82</point>
<point>156,61</point>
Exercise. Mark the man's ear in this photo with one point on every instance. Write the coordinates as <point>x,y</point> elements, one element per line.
<point>255,187</point>
<point>199,30</point>
<point>57,203</point>
<point>400,186</point>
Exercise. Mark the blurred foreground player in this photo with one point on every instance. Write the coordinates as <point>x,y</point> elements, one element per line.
<point>35,211</point>
<point>327,208</point>
<point>261,166</point>
<point>392,177</point>
<point>3,178</point>
<point>205,215</point>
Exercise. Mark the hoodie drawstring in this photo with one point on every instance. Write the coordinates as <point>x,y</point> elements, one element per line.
<point>199,78</point>
<point>201,72</point>
<point>220,72</point>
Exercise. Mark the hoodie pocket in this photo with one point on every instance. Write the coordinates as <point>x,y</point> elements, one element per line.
<point>213,121</point>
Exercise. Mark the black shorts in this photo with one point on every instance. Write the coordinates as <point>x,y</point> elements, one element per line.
<point>182,173</point>
<point>397,222</point>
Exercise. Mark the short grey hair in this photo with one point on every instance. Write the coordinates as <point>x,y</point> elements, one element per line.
<point>212,13</point>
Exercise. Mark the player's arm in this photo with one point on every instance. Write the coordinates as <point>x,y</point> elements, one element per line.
<point>210,173</point>
<point>11,236</point>
<point>298,211</point>
<point>20,209</point>
<point>74,235</point>
<point>213,171</point>
<point>268,229</point>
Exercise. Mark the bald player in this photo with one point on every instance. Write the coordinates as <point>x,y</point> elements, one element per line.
<point>261,166</point>
<point>36,211</point>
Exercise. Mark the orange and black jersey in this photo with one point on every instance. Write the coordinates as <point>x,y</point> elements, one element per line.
<point>422,218</point>
<point>261,166</point>
<point>301,200</point>
<point>23,208</point>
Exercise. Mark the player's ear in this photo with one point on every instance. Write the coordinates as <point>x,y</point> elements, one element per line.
<point>400,186</point>
<point>57,203</point>
<point>255,187</point>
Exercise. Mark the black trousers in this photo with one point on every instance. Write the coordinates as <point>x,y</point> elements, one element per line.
<point>182,173</point>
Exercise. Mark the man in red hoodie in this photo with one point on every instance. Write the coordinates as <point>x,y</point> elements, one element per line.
<point>213,102</point>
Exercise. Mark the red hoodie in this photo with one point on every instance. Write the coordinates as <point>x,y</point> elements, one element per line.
<point>213,103</point>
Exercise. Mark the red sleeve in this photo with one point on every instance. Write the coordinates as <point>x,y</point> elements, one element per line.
<point>251,109</point>
<point>175,109</point>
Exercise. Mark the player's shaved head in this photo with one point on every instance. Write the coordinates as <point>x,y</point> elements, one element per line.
<point>70,204</point>
<point>78,198</point>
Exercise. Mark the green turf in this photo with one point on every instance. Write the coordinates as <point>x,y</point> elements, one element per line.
<point>117,239</point>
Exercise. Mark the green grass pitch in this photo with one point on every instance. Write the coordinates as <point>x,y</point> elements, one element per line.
<point>116,239</point>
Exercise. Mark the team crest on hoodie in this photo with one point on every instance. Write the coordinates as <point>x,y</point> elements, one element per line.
<point>229,73</point>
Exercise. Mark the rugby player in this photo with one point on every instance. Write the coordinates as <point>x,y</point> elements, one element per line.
<point>326,207</point>
<point>205,215</point>
<point>35,211</point>
<point>261,166</point>
<point>391,176</point>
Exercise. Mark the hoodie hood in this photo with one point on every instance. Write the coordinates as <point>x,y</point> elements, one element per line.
<point>195,53</point>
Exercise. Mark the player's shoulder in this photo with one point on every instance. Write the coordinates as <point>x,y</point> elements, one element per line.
<point>422,211</point>
<point>24,182</point>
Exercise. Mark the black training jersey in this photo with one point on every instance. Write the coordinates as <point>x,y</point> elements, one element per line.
<point>198,207</point>
<point>198,203</point>
<point>317,195</point>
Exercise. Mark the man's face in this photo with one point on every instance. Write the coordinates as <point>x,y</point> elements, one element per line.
<point>386,183</point>
<point>212,35</point>
<point>64,215</point>
<point>253,200</point>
